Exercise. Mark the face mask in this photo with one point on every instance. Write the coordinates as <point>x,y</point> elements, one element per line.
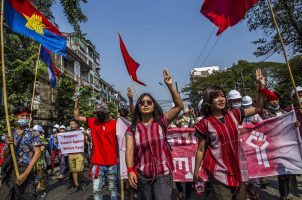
<point>54,130</point>
<point>236,105</point>
<point>274,108</point>
<point>23,122</point>
<point>102,117</point>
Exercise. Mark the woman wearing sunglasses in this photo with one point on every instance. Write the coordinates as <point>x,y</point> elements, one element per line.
<point>148,155</point>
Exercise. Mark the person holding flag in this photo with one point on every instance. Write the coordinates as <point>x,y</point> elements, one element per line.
<point>28,150</point>
<point>223,159</point>
<point>148,155</point>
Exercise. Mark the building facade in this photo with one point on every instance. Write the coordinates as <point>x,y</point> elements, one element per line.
<point>202,72</point>
<point>81,64</point>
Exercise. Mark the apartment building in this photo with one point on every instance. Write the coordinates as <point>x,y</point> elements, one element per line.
<point>82,64</point>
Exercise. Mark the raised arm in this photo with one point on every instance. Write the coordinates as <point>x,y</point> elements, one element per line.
<point>132,177</point>
<point>173,112</point>
<point>130,97</point>
<point>260,98</point>
<point>76,112</point>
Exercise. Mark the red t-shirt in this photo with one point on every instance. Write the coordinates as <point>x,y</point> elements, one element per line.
<point>104,142</point>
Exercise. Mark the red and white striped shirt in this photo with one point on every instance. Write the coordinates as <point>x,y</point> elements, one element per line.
<point>224,155</point>
<point>152,156</point>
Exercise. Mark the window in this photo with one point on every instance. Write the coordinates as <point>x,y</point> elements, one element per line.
<point>90,52</point>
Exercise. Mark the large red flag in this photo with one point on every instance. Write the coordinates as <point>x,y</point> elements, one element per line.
<point>131,65</point>
<point>226,13</point>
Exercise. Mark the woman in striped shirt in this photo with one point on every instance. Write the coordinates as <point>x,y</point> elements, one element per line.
<point>218,131</point>
<point>148,155</point>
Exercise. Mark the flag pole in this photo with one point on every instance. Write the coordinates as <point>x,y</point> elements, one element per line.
<point>122,190</point>
<point>284,52</point>
<point>11,146</point>
<point>134,86</point>
<point>35,81</point>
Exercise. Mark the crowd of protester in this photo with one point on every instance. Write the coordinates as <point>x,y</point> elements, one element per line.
<point>148,154</point>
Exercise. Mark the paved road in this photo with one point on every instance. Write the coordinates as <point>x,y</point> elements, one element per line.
<point>58,190</point>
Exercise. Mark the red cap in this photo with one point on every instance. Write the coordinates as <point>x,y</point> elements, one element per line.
<point>271,95</point>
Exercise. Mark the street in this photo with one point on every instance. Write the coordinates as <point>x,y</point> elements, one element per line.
<point>58,190</point>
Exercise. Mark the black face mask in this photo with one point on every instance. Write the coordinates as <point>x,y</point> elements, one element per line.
<point>102,117</point>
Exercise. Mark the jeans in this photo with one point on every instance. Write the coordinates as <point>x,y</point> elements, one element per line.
<point>283,181</point>
<point>105,172</point>
<point>220,191</point>
<point>158,188</point>
<point>54,154</point>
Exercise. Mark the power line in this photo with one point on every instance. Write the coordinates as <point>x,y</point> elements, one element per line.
<point>266,57</point>
<point>214,45</point>
<point>199,56</point>
<point>204,47</point>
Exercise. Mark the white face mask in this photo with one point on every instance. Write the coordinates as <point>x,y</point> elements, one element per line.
<point>236,105</point>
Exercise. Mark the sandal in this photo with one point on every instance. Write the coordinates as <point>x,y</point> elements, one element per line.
<point>263,182</point>
<point>180,196</point>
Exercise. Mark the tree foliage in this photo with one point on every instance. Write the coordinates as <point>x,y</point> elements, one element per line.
<point>289,17</point>
<point>21,55</point>
<point>277,78</point>
<point>66,89</point>
<point>72,11</point>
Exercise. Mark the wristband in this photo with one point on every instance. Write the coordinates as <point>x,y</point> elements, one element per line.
<point>131,169</point>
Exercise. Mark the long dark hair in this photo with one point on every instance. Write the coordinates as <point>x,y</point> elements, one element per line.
<point>209,94</point>
<point>157,113</point>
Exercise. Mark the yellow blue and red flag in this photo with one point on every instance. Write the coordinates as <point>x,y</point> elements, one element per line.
<point>53,71</point>
<point>22,17</point>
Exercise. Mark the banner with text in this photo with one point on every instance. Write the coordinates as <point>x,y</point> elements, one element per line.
<point>273,147</point>
<point>184,146</point>
<point>71,142</point>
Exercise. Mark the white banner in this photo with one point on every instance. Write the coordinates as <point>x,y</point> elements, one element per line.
<point>121,126</point>
<point>71,142</point>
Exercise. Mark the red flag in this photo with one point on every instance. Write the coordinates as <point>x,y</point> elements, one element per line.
<point>226,13</point>
<point>131,65</point>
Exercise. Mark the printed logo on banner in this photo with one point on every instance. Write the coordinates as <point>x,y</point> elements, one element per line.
<point>258,142</point>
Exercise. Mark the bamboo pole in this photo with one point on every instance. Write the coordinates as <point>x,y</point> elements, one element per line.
<point>122,190</point>
<point>284,51</point>
<point>11,146</point>
<point>35,82</point>
<point>134,87</point>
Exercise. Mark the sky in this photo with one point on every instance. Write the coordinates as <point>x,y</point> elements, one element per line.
<point>159,34</point>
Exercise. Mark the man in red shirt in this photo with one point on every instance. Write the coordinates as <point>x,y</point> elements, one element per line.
<point>104,160</point>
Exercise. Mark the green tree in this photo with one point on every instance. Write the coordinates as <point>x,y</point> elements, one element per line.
<point>289,17</point>
<point>21,54</point>
<point>72,11</point>
<point>235,77</point>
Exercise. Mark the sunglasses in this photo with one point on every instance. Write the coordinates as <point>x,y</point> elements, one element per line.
<point>143,102</point>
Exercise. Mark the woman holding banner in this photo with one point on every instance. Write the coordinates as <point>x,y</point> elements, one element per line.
<point>148,155</point>
<point>223,159</point>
